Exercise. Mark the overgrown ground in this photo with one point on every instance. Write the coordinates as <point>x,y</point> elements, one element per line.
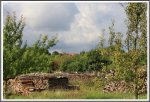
<point>89,89</point>
<point>82,94</point>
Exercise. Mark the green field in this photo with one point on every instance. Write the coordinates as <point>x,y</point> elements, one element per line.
<point>81,94</point>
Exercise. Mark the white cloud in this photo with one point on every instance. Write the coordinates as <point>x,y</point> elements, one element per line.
<point>78,25</point>
<point>84,29</point>
<point>49,16</point>
<point>45,16</point>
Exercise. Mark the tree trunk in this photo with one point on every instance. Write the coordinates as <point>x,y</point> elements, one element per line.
<point>136,92</point>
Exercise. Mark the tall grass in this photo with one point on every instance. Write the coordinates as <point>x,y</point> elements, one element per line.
<point>89,89</point>
<point>75,94</point>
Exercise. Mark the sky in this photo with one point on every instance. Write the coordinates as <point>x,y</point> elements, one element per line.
<point>78,26</point>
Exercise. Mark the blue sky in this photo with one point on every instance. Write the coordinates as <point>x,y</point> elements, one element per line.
<point>77,25</point>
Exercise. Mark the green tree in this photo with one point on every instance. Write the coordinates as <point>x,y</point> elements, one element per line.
<point>136,37</point>
<point>114,49</point>
<point>94,60</point>
<point>12,43</point>
<point>136,23</point>
<point>102,40</point>
<point>20,58</point>
<point>112,34</point>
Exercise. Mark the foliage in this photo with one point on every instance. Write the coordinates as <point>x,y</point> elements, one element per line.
<point>102,40</point>
<point>18,57</point>
<point>136,38</point>
<point>95,60</point>
<point>137,26</point>
<point>12,31</point>
<point>127,64</point>
<point>75,63</point>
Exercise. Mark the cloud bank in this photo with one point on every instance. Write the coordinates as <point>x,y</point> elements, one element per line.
<point>78,25</point>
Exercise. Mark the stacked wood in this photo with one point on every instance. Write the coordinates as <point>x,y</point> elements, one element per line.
<point>122,86</point>
<point>143,89</point>
<point>28,83</point>
<point>15,86</point>
<point>115,86</point>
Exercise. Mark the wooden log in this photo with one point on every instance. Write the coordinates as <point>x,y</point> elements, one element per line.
<point>30,82</point>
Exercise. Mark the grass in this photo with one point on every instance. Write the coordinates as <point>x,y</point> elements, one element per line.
<point>88,90</point>
<point>75,94</point>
